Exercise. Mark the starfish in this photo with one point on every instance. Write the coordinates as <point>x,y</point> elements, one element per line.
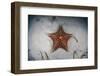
<point>60,39</point>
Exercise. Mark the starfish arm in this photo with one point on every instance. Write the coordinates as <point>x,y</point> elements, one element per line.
<point>55,46</point>
<point>64,45</point>
<point>55,42</point>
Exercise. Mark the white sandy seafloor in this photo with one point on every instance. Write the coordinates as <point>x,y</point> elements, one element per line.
<point>40,44</point>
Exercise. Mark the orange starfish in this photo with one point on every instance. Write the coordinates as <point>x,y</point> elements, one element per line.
<point>60,39</point>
